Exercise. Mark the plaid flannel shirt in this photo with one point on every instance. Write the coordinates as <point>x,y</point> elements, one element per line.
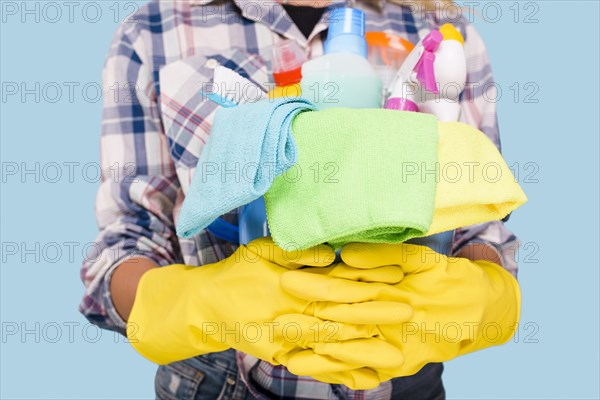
<point>155,124</point>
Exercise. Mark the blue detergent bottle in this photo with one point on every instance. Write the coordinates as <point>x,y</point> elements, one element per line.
<point>343,77</point>
<point>253,221</point>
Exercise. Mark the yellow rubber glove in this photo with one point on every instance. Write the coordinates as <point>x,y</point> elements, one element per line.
<point>347,369</point>
<point>460,305</point>
<point>182,311</point>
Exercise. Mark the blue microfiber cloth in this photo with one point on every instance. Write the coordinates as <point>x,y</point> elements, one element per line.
<point>249,146</point>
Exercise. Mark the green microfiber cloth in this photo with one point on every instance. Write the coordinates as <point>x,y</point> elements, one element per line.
<point>362,175</point>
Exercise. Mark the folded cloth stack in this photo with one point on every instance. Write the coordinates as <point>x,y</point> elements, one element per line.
<point>386,176</point>
<point>370,175</point>
<point>249,146</point>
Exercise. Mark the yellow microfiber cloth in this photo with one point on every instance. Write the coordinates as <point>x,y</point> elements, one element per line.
<point>474,183</point>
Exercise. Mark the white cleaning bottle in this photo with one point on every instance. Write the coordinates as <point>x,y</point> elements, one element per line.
<point>432,77</point>
<point>450,70</point>
<point>343,77</point>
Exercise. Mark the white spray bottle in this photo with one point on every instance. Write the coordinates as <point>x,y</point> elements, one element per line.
<point>432,77</point>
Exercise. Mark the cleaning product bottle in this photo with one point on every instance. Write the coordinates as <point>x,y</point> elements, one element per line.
<point>287,60</point>
<point>387,52</point>
<point>343,77</point>
<point>450,69</point>
<point>433,76</point>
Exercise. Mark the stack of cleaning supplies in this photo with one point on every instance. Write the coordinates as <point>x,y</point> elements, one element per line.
<point>386,176</point>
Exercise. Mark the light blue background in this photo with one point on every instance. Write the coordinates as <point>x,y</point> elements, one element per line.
<point>556,353</point>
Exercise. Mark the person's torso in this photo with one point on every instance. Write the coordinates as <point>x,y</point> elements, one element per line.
<point>185,41</point>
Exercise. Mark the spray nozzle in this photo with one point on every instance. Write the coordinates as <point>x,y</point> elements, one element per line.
<point>424,67</point>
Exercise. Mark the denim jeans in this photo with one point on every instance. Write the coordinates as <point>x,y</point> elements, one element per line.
<point>215,377</point>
